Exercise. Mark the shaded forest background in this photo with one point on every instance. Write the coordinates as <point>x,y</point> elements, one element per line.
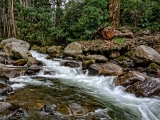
<point>46,22</point>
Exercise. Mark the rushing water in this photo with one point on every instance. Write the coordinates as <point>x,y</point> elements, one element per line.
<point>116,104</point>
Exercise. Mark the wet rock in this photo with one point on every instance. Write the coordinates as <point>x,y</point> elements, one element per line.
<point>34,67</point>
<point>31,61</point>
<point>97,58</point>
<point>110,69</point>
<point>73,49</point>
<point>4,106</point>
<point>49,72</point>
<point>139,84</point>
<point>129,78</point>
<point>5,90</point>
<point>30,72</point>
<point>70,64</point>
<point>13,72</point>
<point>147,88</point>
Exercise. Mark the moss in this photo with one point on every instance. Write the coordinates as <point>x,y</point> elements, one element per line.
<point>1,47</point>
<point>21,61</point>
<point>153,66</point>
<point>129,53</point>
<point>120,40</point>
<point>35,47</point>
<point>17,55</point>
<point>121,58</point>
<point>43,49</point>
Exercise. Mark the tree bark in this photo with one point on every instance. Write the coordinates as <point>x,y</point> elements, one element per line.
<point>114,10</point>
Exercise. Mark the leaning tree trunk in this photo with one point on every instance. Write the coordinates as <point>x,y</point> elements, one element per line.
<point>114,10</point>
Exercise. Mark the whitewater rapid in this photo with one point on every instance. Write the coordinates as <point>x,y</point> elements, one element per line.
<point>100,87</point>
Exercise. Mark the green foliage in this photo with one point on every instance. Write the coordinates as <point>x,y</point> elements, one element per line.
<point>141,13</point>
<point>34,24</point>
<point>81,19</point>
<point>120,40</point>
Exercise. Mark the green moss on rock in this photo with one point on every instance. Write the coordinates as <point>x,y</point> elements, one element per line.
<point>121,58</point>
<point>21,61</point>
<point>129,54</point>
<point>153,66</point>
<point>35,47</point>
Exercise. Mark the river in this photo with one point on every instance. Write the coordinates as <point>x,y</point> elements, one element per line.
<point>81,97</point>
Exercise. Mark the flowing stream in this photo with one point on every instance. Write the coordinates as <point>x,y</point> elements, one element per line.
<point>109,102</point>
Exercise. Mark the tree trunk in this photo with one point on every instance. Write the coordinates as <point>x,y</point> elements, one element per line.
<point>11,14</point>
<point>114,10</point>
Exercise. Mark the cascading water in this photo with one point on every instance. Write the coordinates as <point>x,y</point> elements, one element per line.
<point>117,103</point>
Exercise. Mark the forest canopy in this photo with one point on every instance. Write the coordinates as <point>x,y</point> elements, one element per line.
<point>60,21</point>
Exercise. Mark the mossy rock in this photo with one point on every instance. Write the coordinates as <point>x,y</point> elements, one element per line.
<point>153,66</point>
<point>17,55</point>
<point>129,54</point>
<point>20,62</point>
<point>43,50</point>
<point>35,47</point>
<point>121,58</point>
<point>1,47</point>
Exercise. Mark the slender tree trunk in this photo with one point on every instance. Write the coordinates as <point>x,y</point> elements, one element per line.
<point>11,14</point>
<point>114,10</point>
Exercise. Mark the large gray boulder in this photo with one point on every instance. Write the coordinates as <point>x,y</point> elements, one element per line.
<point>73,49</point>
<point>23,43</point>
<point>147,53</point>
<point>109,69</point>
<point>17,50</point>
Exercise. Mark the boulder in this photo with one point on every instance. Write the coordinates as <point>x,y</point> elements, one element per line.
<point>109,69</point>
<point>31,61</point>
<point>23,43</point>
<point>97,58</point>
<point>55,49</point>
<point>147,53</point>
<point>11,72</point>
<point>73,49</point>
<point>34,67</point>
<point>147,88</point>
<point>17,50</point>
<point>129,78</point>
<point>139,84</point>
